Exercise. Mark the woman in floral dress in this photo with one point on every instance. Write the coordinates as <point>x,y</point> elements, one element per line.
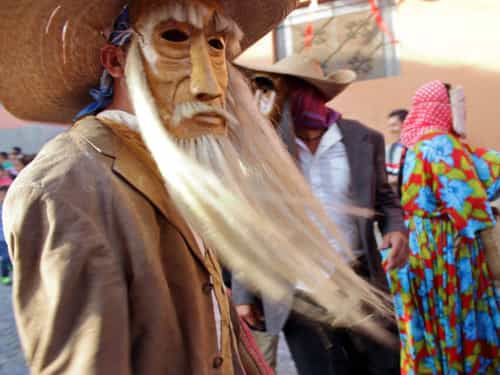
<point>447,307</point>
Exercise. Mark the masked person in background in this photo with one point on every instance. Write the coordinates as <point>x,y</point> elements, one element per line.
<point>270,94</point>
<point>5,263</point>
<point>344,162</point>
<point>113,227</point>
<point>447,306</point>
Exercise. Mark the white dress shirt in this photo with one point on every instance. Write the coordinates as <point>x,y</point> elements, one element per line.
<point>329,175</point>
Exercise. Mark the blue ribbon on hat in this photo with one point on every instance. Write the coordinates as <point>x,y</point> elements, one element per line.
<point>102,96</point>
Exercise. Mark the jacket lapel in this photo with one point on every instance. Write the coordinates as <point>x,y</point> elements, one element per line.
<point>134,171</point>
<point>358,151</point>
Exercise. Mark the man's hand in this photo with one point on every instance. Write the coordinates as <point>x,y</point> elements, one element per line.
<point>393,180</point>
<point>250,314</point>
<point>400,252</point>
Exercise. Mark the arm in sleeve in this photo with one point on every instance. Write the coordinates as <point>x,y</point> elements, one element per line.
<point>69,293</point>
<point>387,205</point>
<point>456,185</point>
<point>487,163</point>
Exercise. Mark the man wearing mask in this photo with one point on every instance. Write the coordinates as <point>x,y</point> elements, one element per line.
<point>114,228</point>
<point>344,162</point>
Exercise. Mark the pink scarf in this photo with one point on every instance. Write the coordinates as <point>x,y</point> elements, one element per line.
<point>309,110</point>
<point>431,110</point>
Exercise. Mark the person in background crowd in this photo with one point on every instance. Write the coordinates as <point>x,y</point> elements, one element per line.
<point>14,165</point>
<point>5,178</point>
<point>28,159</point>
<point>447,306</point>
<point>18,166</point>
<point>16,153</point>
<point>395,149</point>
<point>5,162</point>
<point>344,163</point>
<point>5,264</point>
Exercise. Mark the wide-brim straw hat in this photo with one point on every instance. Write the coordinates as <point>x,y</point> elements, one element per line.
<point>50,55</point>
<point>308,69</point>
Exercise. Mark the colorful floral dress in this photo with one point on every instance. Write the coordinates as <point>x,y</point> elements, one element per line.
<point>447,307</point>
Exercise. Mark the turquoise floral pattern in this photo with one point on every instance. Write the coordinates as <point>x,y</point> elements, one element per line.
<point>426,199</point>
<point>447,307</point>
<point>482,168</point>
<point>454,193</point>
<point>410,163</point>
<point>438,149</point>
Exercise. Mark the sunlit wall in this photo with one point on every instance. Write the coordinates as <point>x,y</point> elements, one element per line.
<point>453,40</point>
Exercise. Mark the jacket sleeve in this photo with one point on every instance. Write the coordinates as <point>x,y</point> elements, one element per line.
<point>69,293</point>
<point>387,205</point>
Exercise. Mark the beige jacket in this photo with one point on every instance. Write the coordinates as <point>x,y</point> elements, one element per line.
<point>108,278</point>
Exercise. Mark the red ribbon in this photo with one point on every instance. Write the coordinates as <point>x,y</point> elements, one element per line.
<point>308,36</point>
<point>380,21</point>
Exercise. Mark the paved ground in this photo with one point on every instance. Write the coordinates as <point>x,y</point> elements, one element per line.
<point>285,362</point>
<point>11,360</point>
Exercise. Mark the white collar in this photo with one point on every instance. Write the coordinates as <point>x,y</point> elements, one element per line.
<point>331,137</point>
<point>120,117</point>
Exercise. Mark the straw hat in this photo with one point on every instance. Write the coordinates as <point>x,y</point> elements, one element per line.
<point>50,49</point>
<point>308,69</point>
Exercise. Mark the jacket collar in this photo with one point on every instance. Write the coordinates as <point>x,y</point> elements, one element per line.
<point>350,132</point>
<point>358,151</point>
<point>120,117</point>
<point>132,169</point>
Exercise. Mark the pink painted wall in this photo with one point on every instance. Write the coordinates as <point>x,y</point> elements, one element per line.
<point>9,121</point>
<point>371,101</point>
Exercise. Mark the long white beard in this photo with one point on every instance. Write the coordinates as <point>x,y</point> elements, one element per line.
<point>245,197</point>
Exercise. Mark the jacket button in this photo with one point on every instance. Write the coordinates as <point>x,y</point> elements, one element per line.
<point>218,362</point>
<point>207,288</point>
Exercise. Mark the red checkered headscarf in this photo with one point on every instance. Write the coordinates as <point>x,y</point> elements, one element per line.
<point>430,110</point>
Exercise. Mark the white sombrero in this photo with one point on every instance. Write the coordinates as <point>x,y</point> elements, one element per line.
<point>51,49</point>
<point>308,69</point>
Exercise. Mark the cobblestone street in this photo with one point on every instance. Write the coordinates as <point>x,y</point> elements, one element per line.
<point>12,362</point>
<point>285,362</point>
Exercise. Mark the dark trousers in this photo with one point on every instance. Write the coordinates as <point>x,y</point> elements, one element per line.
<point>5,264</point>
<point>320,349</point>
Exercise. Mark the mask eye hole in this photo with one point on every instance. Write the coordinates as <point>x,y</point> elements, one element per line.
<point>264,84</point>
<point>216,43</point>
<point>175,35</point>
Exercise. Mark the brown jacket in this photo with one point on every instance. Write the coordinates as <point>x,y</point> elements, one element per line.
<point>108,278</point>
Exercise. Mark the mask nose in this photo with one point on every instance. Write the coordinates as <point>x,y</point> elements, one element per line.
<point>204,84</point>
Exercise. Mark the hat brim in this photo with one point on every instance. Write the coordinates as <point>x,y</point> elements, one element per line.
<point>330,87</point>
<point>51,49</point>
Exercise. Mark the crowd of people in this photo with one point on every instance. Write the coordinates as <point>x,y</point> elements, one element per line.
<point>10,165</point>
<point>344,163</point>
<point>179,166</point>
<point>447,307</point>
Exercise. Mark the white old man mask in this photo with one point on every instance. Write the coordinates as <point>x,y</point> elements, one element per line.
<point>270,93</point>
<point>224,166</point>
